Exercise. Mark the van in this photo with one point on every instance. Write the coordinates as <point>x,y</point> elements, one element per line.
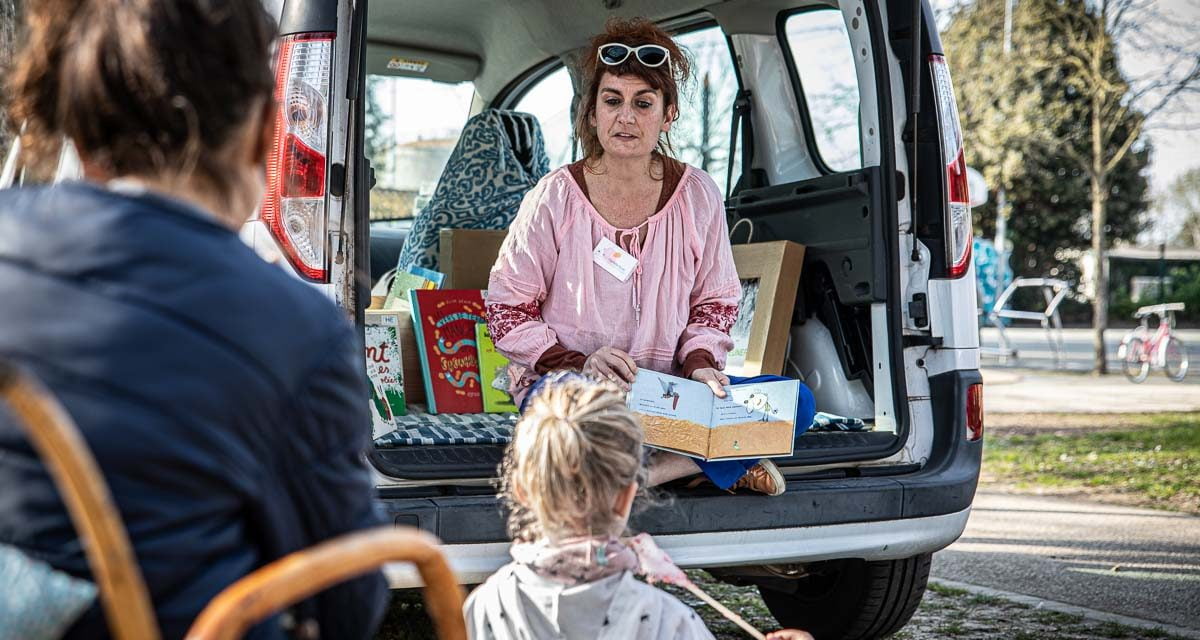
<point>830,123</point>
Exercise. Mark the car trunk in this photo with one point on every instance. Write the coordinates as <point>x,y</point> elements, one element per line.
<point>845,338</point>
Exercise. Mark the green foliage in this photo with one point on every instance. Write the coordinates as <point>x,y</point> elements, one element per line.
<point>1025,119</point>
<point>376,120</point>
<point>1183,199</point>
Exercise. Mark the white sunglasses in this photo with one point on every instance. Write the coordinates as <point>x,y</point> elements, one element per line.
<point>650,55</point>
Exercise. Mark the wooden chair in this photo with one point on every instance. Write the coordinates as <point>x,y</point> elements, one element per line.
<point>248,601</point>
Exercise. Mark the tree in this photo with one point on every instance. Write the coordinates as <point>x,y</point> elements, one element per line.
<point>376,122</point>
<point>1118,108</point>
<point>1183,201</point>
<point>1011,107</point>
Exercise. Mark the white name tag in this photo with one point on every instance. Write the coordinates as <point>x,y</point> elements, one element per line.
<point>614,259</point>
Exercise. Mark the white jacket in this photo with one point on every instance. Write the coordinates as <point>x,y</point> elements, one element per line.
<point>517,604</point>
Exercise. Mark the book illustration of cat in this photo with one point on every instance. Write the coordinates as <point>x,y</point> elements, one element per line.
<point>670,392</point>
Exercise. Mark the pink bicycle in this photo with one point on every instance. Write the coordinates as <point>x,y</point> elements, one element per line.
<point>1140,350</point>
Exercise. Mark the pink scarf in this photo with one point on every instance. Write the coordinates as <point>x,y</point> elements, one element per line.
<point>576,561</point>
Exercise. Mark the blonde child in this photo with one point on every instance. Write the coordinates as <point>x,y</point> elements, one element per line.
<point>569,479</point>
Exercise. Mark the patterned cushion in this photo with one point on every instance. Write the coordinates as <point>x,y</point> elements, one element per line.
<point>38,601</point>
<point>418,428</point>
<point>499,157</point>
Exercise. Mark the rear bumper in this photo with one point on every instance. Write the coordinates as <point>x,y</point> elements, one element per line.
<point>887,540</point>
<point>871,513</point>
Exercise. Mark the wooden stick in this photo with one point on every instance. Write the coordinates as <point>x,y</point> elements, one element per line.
<point>723,610</point>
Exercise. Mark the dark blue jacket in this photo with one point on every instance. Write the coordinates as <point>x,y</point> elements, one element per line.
<point>225,400</point>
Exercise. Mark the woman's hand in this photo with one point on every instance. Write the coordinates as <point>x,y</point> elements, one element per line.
<point>715,380</point>
<point>612,364</point>
<point>789,634</point>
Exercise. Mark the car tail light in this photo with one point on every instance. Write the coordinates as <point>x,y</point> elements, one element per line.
<point>294,207</point>
<point>975,412</point>
<point>958,199</point>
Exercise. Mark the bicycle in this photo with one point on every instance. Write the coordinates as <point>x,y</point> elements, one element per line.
<point>1140,350</point>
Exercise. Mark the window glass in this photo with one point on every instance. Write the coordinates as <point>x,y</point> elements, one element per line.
<point>550,102</point>
<point>824,62</point>
<point>701,135</point>
<point>412,125</point>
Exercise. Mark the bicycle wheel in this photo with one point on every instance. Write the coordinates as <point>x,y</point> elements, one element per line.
<point>1135,360</point>
<point>1175,359</point>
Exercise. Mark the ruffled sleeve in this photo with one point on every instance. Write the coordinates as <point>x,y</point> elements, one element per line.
<point>521,277</point>
<point>715,294</point>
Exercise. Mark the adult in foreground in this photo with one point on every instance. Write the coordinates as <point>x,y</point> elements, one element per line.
<point>557,296</point>
<point>224,400</point>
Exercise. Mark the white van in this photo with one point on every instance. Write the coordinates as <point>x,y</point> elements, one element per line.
<point>826,154</point>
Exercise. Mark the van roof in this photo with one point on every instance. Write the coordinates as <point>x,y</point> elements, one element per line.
<point>514,35</point>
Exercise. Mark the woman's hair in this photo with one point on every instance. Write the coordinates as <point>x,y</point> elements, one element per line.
<point>577,446</point>
<point>142,87</point>
<point>667,78</point>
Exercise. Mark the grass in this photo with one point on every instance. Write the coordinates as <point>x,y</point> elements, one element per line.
<point>1154,458</point>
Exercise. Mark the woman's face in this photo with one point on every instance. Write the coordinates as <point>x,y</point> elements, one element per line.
<point>629,116</point>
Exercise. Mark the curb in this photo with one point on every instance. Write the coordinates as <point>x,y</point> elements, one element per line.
<point>1062,607</point>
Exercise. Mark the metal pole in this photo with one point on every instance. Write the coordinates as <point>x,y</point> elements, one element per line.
<point>1162,273</point>
<point>1001,193</point>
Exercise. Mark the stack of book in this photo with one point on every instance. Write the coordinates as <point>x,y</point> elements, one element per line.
<point>431,345</point>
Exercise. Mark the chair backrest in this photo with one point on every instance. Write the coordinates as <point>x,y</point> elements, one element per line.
<point>68,459</point>
<point>304,573</point>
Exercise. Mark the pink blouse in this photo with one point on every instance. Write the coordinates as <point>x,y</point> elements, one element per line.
<point>545,289</point>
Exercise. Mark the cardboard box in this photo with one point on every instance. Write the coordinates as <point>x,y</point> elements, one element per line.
<point>466,256</point>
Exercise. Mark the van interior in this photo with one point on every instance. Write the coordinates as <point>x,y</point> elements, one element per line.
<point>812,168</point>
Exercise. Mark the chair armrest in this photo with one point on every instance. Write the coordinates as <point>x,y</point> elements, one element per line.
<point>301,574</point>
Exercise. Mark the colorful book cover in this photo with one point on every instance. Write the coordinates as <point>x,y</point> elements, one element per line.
<point>493,372</point>
<point>414,278</point>
<point>384,368</point>
<point>444,322</point>
<point>752,421</point>
<point>382,421</point>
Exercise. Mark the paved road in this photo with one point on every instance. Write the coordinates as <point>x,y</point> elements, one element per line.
<point>1007,390</point>
<point>1033,350</point>
<point>1066,550</point>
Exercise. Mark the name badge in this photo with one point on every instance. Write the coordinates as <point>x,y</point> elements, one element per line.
<point>614,259</point>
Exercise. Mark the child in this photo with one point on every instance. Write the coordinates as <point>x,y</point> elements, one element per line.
<point>569,479</point>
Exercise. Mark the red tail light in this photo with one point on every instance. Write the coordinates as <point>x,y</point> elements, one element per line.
<point>958,200</point>
<point>294,208</point>
<point>975,412</point>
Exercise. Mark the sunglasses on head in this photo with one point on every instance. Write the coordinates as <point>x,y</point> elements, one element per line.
<point>650,55</point>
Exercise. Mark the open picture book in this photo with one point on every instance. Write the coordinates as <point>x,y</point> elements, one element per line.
<point>753,420</point>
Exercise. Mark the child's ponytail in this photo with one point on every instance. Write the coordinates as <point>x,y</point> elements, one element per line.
<point>574,450</point>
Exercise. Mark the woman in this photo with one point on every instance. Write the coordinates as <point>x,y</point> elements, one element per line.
<point>622,260</point>
<point>223,399</point>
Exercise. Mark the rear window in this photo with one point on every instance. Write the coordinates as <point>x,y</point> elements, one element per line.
<point>412,125</point>
<point>820,49</point>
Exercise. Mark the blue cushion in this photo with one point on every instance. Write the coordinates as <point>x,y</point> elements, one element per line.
<point>499,157</point>
<point>37,601</point>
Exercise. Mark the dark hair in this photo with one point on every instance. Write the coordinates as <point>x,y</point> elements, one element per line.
<point>633,32</point>
<point>141,86</point>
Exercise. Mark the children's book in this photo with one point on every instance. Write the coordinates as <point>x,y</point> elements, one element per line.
<point>414,278</point>
<point>384,367</point>
<point>752,421</point>
<point>382,420</point>
<point>493,372</point>
<point>444,322</point>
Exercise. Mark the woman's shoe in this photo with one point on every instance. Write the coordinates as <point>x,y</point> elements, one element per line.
<point>763,477</point>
